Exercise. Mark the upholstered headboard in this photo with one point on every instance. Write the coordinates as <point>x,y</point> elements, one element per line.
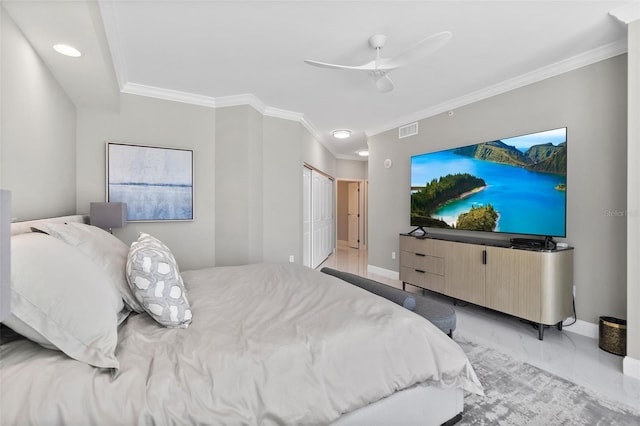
<point>24,227</point>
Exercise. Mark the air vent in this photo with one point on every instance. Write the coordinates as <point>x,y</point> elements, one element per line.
<point>407,130</point>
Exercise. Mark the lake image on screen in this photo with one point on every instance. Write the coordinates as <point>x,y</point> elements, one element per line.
<point>513,186</point>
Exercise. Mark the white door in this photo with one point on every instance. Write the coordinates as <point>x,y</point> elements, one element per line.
<point>322,223</point>
<point>306,216</point>
<point>353,215</point>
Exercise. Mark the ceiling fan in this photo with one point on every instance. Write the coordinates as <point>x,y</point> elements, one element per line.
<point>379,67</point>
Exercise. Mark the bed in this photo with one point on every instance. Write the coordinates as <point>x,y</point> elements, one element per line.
<point>263,344</point>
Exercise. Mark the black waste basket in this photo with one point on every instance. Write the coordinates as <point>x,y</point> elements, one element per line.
<point>613,335</point>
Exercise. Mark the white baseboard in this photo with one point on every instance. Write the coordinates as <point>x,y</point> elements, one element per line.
<point>387,273</point>
<point>631,367</point>
<point>583,328</point>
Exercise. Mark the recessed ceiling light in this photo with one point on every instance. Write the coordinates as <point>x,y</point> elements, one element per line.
<point>67,50</point>
<point>363,153</point>
<point>341,134</point>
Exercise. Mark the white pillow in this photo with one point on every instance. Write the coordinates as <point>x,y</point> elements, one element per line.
<point>63,300</point>
<point>154,278</point>
<point>103,248</point>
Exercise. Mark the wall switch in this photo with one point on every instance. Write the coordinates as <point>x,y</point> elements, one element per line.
<point>393,254</point>
<point>292,259</point>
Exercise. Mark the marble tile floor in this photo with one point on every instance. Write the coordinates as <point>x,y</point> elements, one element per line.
<point>569,355</point>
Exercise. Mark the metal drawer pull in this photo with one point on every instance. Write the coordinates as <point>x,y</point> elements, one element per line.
<point>420,254</point>
<point>419,270</point>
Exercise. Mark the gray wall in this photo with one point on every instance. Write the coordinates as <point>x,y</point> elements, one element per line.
<point>38,132</point>
<point>238,171</point>
<point>591,103</point>
<point>149,121</point>
<point>248,184</point>
<point>259,185</point>
<point>282,190</point>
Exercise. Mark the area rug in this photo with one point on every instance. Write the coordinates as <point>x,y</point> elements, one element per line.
<point>517,393</point>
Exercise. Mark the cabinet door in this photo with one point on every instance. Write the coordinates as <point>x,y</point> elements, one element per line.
<point>464,272</point>
<point>513,282</point>
<point>556,294</point>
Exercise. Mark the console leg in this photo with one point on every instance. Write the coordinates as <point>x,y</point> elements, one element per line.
<point>403,285</point>
<point>559,325</point>
<point>540,331</point>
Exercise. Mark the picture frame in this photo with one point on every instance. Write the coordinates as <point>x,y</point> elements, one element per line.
<point>155,182</point>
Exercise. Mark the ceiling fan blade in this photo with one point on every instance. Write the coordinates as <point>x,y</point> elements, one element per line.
<point>418,50</point>
<point>384,84</point>
<point>365,67</point>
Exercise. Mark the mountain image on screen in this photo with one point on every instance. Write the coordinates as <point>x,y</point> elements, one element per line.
<point>515,185</point>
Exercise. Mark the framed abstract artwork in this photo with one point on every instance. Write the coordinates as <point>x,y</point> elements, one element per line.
<point>155,182</point>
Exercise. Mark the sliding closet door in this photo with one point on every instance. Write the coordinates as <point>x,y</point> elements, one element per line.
<point>322,220</point>
<point>306,216</point>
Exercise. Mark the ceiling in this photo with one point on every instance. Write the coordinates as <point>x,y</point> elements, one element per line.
<point>221,53</point>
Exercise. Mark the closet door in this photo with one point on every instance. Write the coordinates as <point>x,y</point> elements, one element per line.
<point>306,216</point>
<point>322,221</point>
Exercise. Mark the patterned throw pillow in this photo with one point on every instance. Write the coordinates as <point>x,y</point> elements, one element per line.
<point>155,280</point>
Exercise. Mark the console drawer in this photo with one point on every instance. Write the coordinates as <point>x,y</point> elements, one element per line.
<point>422,279</point>
<point>431,264</point>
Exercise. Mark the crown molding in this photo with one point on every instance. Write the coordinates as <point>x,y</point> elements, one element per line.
<point>239,100</point>
<point>296,116</point>
<point>627,13</point>
<point>225,101</point>
<point>578,61</point>
<point>168,95</point>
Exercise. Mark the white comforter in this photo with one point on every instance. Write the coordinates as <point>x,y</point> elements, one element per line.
<point>269,344</point>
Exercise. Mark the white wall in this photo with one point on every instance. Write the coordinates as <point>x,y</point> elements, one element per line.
<point>351,169</point>
<point>633,207</point>
<point>37,133</point>
<point>316,155</point>
<point>591,103</point>
<point>148,121</point>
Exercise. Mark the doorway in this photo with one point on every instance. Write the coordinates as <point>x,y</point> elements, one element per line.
<point>351,213</point>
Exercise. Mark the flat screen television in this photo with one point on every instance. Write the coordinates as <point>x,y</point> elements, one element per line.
<point>516,185</point>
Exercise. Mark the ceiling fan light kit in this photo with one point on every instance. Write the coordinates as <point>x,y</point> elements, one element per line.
<point>379,67</point>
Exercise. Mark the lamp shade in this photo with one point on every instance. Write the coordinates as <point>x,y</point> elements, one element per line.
<point>108,215</point>
<point>5,253</point>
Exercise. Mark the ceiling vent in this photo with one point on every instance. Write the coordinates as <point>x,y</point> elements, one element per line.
<point>408,130</point>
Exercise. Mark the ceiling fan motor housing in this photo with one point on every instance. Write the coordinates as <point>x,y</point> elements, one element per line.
<point>377,41</point>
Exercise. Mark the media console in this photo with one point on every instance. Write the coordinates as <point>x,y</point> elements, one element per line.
<point>536,285</point>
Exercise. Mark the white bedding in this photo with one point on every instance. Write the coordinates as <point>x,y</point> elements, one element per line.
<point>269,344</point>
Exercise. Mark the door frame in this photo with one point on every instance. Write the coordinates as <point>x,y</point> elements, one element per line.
<point>363,208</point>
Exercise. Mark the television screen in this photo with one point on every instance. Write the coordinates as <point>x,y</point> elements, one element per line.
<point>516,185</point>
